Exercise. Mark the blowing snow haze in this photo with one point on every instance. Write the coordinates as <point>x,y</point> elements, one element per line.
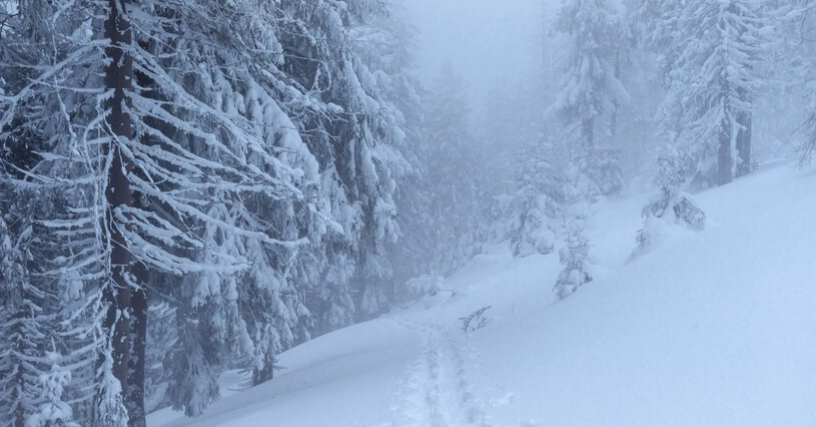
<point>407,213</point>
<point>489,42</point>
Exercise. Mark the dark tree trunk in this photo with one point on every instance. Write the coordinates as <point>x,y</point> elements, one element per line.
<point>135,393</point>
<point>724,161</point>
<point>119,294</point>
<point>744,137</point>
<point>744,122</point>
<point>260,376</point>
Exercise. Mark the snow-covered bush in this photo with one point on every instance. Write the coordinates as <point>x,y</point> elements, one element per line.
<point>575,258</point>
<point>671,207</point>
<point>536,202</point>
<point>529,228</point>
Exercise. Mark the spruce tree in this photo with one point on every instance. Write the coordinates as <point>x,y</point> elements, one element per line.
<point>591,88</point>
<point>138,157</point>
<point>713,81</point>
<point>536,204</point>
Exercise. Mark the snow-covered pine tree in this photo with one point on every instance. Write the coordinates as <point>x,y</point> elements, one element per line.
<point>53,410</point>
<point>536,204</point>
<point>35,294</point>
<point>34,316</point>
<point>671,206</point>
<point>577,192</point>
<point>186,115</point>
<point>806,149</point>
<point>253,314</point>
<point>712,84</point>
<point>574,257</point>
<point>794,64</point>
<point>387,43</point>
<point>514,144</point>
<point>351,128</point>
<point>452,170</point>
<point>655,25</point>
<point>162,337</point>
<point>372,24</point>
<point>21,323</point>
<point>591,88</point>
<point>312,41</point>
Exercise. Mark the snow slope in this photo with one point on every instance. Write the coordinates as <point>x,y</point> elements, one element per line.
<point>710,329</point>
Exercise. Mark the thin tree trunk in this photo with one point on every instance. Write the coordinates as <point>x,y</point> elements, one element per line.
<point>724,160</point>
<point>744,137</point>
<point>119,80</point>
<point>744,122</point>
<point>613,122</point>
<point>260,376</point>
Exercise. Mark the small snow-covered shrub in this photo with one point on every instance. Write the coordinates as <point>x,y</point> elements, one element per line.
<point>671,208</point>
<point>529,231</point>
<point>575,258</point>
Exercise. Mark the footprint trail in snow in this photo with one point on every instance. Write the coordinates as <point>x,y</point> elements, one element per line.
<point>436,392</point>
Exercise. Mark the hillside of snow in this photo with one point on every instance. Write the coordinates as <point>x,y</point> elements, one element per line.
<point>716,328</point>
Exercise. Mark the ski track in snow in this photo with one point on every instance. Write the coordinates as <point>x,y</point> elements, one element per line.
<point>436,392</point>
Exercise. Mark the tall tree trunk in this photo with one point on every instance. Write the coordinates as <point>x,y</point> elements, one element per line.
<point>724,160</point>
<point>613,121</point>
<point>744,120</point>
<point>135,393</point>
<point>267,372</point>
<point>744,136</point>
<point>119,80</point>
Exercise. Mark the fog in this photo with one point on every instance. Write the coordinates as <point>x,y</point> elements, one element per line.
<point>488,42</point>
<point>190,190</point>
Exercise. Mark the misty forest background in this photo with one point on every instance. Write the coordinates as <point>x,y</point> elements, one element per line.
<point>194,186</point>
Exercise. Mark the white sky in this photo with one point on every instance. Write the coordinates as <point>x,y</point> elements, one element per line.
<point>487,41</point>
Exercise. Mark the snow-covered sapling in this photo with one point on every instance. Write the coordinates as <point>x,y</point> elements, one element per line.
<point>671,206</point>
<point>575,257</point>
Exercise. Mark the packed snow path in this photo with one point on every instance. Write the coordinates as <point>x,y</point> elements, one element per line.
<point>437,391</point>
<point>710,329</point>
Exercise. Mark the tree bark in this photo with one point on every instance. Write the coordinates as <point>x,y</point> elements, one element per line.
<point>724,160</point>
<point>744,137</point>
<point>119,294</point>
<point>744,122</point>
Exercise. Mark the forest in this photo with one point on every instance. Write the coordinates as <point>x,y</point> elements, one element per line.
<point>195,187</point>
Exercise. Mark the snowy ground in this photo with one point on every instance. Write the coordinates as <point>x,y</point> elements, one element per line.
<point>710,329</point>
